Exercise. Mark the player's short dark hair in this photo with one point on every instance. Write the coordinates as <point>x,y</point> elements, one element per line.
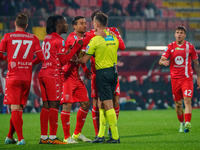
<point>21,20</point>
<point>74,21</point>
<point>102,19</point>
<point>52,22</point>
<point>182,28</point>
<point>94,14</point>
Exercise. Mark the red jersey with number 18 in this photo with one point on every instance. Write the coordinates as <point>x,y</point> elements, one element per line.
<point>20,47</point>
<point>52,45</point>
<point>180,59</point>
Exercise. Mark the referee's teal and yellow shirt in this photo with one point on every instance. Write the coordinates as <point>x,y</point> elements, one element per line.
<point>104,50</point>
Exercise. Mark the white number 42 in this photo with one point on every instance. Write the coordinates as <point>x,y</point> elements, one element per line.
<point>19,43</point>
<point>188,92</point>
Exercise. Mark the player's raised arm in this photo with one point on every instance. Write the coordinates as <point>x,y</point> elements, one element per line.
<point>65,57</point>
<point>163,61</point>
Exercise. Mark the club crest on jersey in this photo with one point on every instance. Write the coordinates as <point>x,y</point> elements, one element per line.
<point>179,60</point>
<point>12,64</point>
<point>179,48</point>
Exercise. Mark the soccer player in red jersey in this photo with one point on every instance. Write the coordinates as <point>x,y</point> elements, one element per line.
<point>94,93</point>
<point>74,89</point>
<point>50,77</point>
<point>20,47</point>
<point>181,54</point>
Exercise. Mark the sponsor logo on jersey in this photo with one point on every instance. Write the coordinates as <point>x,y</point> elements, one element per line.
<point>182,49</point>
<point>109,38</point>
<point>179,60</point>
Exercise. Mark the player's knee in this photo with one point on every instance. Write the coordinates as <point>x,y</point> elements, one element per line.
<point>54,104</point>
<point>85,105</point>
<point>178,104</point>
<point>67,107</point>
<point>45,105</point>
<point>187,101</point>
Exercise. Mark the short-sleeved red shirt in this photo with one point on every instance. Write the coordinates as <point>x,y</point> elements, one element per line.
<point>181,57</point>
<point>20,47</point>
<point>53,44</point>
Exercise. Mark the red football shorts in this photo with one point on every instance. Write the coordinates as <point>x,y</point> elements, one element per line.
<point>182,88</point>
<point>51,88</point>
<point>16,92</point>
<point>94,92</point>
<point>74,91</point>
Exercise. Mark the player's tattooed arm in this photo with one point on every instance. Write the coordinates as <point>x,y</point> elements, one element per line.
<point>197,69</point>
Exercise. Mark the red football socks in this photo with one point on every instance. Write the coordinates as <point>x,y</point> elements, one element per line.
<point>53,120</point>
<point>81,116</point>
<point>117,111</point>
<point>95,118</point>
<point>12,129</point>
<point>181,117</point>
<point>44,117</point>
<point>17,123</point>
<point>188,117</point>
<point>65,118</point>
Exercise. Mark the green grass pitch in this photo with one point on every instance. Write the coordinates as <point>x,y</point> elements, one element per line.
<point>145,130</point>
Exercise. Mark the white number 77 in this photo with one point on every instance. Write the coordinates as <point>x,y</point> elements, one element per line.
<point>19,43</point>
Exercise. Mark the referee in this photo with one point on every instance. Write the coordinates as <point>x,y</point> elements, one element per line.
<point>104,49</point>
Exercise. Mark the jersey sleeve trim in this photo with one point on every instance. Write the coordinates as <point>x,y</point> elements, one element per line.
<point>2,51</point>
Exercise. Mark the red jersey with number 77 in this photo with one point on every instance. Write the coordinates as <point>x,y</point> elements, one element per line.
<point>181,57</point>
<point>20,47</point>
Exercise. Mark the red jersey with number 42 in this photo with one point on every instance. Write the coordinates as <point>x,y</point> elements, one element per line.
<point>53,44</point>
<point>20,47</point>
<point>181,57</point>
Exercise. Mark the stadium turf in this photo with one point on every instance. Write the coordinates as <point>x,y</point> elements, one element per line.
<point>145,130</point>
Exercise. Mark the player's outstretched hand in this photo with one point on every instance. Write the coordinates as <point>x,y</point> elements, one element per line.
<point>166,62</point>
<point>198,83</point>
<point>88,74</point>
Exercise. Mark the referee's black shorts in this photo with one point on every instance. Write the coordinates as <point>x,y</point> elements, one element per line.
<point>106,81</point>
